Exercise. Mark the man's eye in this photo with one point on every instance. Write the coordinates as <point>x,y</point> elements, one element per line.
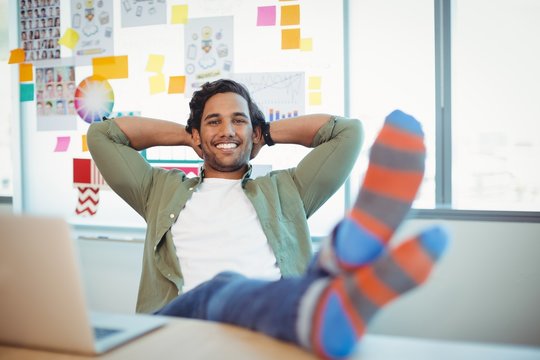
<point>240,120</point>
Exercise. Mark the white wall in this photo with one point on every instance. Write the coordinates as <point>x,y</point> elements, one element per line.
<point>486,289</point>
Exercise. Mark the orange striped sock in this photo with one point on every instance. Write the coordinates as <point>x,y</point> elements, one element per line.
<point>348,302</point>
<point>394,174</point>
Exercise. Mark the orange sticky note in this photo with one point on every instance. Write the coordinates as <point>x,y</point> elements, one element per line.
<point>290,38</point>
<point>26,72</point>
<point>177,84</point>
<point>111,67</point>
<point>290,15</point>
<point>84,144</point>
<point>16,56</point>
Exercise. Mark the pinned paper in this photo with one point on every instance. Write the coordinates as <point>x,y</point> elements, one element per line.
<point>26,72</point>
<point>177,84</point>
<point>290,15</point>
<point>290,39</point>
<point>315,98</point>
<point>179,14</point>
<point>111,67</point>
<point>157,84</point>
<point>62,143</point>
<point>266,16</point>
<point>26,92</point>
<point>155,63</point>
<point>69,39</point>
<point>16,56</point>
<point>306,44</point>
<point>84,143</point>
<point>314,83</point>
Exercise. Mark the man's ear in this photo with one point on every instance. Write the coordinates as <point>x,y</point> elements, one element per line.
<point>196,137</point>
<point>257,134</point>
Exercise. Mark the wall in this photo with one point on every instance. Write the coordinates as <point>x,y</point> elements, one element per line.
<point>485,289</point>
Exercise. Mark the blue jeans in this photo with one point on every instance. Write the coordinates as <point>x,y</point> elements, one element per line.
<point>270,307</point>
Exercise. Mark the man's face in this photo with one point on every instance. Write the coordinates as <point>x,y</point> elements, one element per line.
<point>226,136</point>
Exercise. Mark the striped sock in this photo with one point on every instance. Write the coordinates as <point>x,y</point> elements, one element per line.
<point>340,310</point>
<point>394,174</point>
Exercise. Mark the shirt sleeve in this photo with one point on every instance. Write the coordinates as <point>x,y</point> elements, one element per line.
<point>122,167</point>
<point>325,168</point>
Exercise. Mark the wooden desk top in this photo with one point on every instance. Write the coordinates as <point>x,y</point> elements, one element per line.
<point>193,339</point>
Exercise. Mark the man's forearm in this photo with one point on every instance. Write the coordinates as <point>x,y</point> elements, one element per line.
<point>299,130</point>
<point>146,132</point>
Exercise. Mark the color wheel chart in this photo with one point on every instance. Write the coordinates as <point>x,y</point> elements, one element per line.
<point>278,95</point>
<point>94,99</point>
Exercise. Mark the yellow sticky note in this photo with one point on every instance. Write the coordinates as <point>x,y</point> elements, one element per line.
<point>69,39</point>
<point>315,98</point>
<point>314,83</point>
<point>179,14</point>
<point>111,67</point>
<point>157,84</point>
<point>155,63</point>
<point>26,72</point>
<point>306,44</point>
<point>84,144</point>
<point>16,56</point>
<point>177,84</point>
<point>290,39</point>
<point>290,15</point>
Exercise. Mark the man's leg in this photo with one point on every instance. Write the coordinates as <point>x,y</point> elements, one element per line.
<point>393,176</point>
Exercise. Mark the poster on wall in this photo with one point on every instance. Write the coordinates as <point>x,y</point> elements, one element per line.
<point>55,90</point>
<point>40,29</point>
<point>279,95</point>
<point>93,21</point>
<point>208,50</point>
<point>143,13</point>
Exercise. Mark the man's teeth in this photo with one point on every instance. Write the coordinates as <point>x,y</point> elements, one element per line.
<point>227,146</point>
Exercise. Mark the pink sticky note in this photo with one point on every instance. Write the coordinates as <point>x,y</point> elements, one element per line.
<point>266,16</point>
<point>62,143</point>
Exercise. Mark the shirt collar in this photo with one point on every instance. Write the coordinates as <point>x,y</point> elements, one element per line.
<point>245,178</point>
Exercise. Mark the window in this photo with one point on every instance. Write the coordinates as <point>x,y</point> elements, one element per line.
<point>495,112</point>
<point>6,172</point>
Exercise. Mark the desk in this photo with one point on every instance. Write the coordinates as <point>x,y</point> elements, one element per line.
<point>193,339</point>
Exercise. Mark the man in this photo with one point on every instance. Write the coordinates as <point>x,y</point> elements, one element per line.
<point>257,227</point>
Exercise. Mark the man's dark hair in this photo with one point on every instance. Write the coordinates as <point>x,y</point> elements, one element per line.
<point>209,89</point>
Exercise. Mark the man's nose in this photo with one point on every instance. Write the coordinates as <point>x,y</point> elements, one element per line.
<point>227,128</point>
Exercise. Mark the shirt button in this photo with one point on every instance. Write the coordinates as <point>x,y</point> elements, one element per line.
<point>171,216</point>
<point>190,189</point>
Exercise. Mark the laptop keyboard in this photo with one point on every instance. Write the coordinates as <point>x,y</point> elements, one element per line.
<point>100,333</point>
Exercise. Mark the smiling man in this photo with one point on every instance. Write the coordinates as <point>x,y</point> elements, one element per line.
<point>223,220</point>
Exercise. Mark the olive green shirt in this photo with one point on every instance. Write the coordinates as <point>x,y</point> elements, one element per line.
<point>283,200</point>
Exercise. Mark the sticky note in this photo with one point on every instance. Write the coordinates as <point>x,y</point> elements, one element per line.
<point>314,83</point>
<point>26,92</point>
<point>69,39</point>
<point>179,14</point>
<point>16,56</point>
<point>157,84</point>
<point>306,44</point>
<point>177,84</point>
<point>111,67</point>
<point>290,15</point>
<point>26,72</point>
<point>84,143</point>
<point>290,39</point>
<point>62,143</point>
<point>155,63</point>
<point>266,16</point>
<point>315,98</point>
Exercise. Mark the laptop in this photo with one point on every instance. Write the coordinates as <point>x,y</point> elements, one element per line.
<point>42,303</point>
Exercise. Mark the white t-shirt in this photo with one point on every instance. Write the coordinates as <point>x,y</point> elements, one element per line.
<point>219,230</point>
